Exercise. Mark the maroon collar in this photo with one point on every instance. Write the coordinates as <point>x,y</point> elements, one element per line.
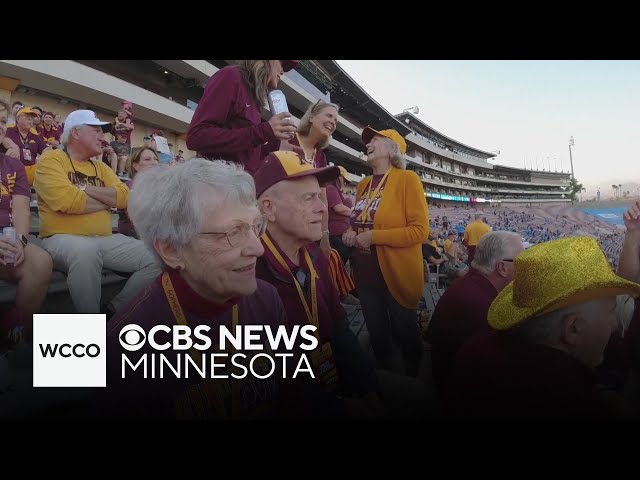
<point>193,302</point>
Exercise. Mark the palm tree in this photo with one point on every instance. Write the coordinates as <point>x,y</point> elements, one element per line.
<point>615,191</point>
<point>573,188</point>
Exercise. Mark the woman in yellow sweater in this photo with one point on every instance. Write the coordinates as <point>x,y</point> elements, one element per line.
<point>389,222</point>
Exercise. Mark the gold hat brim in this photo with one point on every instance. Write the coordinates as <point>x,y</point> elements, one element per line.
<point>504,314</point>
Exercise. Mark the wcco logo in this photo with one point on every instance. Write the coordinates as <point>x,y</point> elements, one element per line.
<point>78,350</point>
<point>69,350</point>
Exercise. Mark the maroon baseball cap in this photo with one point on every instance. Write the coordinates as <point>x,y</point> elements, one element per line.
<point>289,64</point>
<point>288,165</point>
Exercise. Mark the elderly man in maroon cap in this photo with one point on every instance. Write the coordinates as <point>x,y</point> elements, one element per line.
<point>288,190</point>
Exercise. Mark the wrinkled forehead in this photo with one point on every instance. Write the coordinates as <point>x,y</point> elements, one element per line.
<point>300,186</point>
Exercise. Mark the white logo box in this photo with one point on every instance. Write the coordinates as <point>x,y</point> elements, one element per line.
<point>82,362</point>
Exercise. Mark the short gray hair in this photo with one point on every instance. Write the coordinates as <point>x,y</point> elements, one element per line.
<point>397,159</point>
<point>625,306</point>
<point>66,135</point>
<point>167,203</point>
<point>493,246</point>
<point>547,328</point>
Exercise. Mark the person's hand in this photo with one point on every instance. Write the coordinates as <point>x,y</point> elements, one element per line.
<point>348,238</point>
<point>363,240</point>
<point>14,152</point>
<point>283,126</point>
<point>632,218</point>
<point>9,248</point>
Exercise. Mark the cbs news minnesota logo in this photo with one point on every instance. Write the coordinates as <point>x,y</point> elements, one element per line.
<point>69,350</point>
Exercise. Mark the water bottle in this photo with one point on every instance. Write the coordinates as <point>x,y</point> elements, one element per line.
<point>277,102</point>
<point>10,233</point>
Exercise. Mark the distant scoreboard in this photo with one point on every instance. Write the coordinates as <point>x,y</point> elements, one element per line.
<point>456,198</point>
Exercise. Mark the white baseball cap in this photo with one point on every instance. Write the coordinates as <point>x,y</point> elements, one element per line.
<point>84,117</point>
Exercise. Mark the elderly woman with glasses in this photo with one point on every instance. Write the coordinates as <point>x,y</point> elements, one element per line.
<point>201,221</point>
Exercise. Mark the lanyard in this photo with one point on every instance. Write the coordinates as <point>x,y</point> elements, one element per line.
<point>178,313</point>
<point>313,314</point>
<point>313,159</point>
<point>362,218</point>
<point>24,140</point>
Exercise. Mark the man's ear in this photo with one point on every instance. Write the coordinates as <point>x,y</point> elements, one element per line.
<point>501,269</point>
<point>169,254</point>
<point>570,329</point>
<point>267,207</point>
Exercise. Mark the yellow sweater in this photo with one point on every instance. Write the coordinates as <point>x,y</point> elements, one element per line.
<point>61,203</point>
<point>475,231</point>
<point>400,225</point>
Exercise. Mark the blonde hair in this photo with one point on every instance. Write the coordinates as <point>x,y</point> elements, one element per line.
<point>134,157</point>
<point>304,127</point>
<point>256,74</point>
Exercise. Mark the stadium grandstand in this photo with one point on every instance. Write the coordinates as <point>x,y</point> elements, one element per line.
<point>166,92</point>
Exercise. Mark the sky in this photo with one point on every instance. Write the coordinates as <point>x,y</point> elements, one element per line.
<point>525,109</point>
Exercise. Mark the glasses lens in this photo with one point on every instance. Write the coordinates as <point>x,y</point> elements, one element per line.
<point>235,236</point>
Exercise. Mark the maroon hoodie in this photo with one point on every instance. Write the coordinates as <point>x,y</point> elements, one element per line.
<point>497,375</point>
<point>228,125</point>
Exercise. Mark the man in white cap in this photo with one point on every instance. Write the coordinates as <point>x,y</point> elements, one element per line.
<point>75,197</point>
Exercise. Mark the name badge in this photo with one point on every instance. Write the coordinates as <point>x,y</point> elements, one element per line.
<point>26,155</point>
<point>324,367</point>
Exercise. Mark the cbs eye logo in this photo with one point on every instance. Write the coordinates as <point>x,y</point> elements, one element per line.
<point>132,337</point>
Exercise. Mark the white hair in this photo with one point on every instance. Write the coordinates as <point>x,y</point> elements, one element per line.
<point>492,247</point>
<point>167,203</point>
<point>397,159</point>
<point>625,305</point>
<point>66,135</point>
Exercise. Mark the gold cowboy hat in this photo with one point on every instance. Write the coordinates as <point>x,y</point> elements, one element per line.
<point>554,275</point>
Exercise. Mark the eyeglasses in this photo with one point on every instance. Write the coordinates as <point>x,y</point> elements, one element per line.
<point>239,234</point>
<point>511,260</point>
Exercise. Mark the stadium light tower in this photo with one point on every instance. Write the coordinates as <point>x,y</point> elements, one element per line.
<point>414,110</point>
<point>571,144</point>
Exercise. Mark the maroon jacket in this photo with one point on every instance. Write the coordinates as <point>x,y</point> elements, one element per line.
<point>191,398</point>
<point>228,125</point>
<point>460,314</point>
<point>497,375</point>
<point>356,372</point>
